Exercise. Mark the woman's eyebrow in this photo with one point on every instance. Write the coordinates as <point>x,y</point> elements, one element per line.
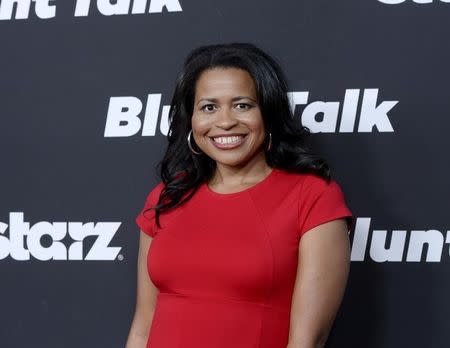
<point>232,99</point>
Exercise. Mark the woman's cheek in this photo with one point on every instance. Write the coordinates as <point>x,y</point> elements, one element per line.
<point>200,124</point>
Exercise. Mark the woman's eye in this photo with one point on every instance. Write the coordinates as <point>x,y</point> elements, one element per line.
<point>246,106</point>
<point>210,107</point>
<point>207,107</point>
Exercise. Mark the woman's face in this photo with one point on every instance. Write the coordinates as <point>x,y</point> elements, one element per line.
<point>227,124</point>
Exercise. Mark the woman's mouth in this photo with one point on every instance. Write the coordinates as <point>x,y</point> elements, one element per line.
<point>228,142</point>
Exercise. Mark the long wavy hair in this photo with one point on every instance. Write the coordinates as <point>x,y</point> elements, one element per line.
<point>182,172</point>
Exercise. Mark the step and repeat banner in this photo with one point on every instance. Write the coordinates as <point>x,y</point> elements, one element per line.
<point>85,90</point>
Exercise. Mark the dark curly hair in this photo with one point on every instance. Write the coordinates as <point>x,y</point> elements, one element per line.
<point>182,172</point>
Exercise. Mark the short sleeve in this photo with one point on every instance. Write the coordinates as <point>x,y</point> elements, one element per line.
<point>321,202</point>
<point>146,218</point>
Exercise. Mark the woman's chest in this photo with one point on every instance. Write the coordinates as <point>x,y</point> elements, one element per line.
<point>231,249</point>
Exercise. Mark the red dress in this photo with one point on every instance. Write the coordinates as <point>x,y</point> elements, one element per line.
<point>225,264</point>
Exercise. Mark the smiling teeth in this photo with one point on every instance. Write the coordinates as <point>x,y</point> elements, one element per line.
<point>228,140</point>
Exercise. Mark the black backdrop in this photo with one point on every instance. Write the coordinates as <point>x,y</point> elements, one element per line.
<point>73,176</point>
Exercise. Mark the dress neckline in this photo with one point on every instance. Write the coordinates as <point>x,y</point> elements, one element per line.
<point>259,184</point>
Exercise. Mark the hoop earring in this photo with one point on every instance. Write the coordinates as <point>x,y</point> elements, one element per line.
<point>270,142</point>
<point>189,143</point>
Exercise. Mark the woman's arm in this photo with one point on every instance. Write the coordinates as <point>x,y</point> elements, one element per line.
<point>323,267</point>
<point>145,298</point>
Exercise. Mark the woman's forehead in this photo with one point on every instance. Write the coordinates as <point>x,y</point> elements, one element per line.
<point>225,83</point>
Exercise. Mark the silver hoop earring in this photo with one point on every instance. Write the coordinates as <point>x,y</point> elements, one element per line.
<point>189,143</point>
<point>270,142</point>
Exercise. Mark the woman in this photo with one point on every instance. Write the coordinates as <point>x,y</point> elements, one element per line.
<point>229,258</point>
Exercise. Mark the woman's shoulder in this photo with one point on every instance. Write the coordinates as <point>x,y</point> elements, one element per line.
<point>160,185</point>
<point>307,183</point>
<point>301,178</point>
<point>153,195</point>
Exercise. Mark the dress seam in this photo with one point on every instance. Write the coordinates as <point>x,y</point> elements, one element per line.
<point>269,295</point>
<point>299,197</point>
<point>183,293</point>
<point>300,227</point>
<point>272,266</point>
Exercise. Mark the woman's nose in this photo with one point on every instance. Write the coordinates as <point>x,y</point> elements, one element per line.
<point>226,118</point>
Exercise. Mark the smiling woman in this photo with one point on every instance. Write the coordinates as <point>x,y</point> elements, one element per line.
<point>245,238</point>
<point>227,124</point>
